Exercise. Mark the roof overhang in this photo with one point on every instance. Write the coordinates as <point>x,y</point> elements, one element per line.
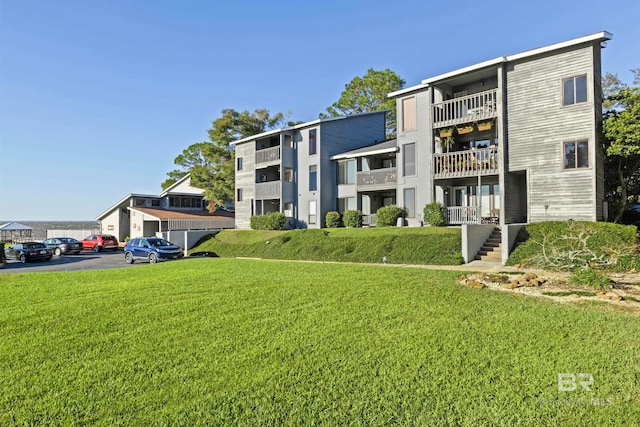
<point>344,156</point>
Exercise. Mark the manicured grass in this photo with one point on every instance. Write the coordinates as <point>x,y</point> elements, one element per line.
<point>245,342</point>
<point>410,245</point>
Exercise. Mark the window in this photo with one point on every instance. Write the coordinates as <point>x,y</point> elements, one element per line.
<point>288,209</point>
<point>312,212</point>
<point>574,90</point>
<point>288,174</point>
<point>312,142</point>
<point>409,159</point>
<point>313,178</point>
<point>410,202</point>
<point>347,172</point>
<point>409,114</point>
<point>346,204</point>
<point>239,159</point>
<point>185,202</point>
<point>576,154</point>
<point>239,195</point>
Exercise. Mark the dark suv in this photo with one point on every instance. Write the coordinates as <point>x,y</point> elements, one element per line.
<point>99,242</point>
<point>153,249</point>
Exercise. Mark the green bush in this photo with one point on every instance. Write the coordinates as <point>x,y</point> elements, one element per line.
<point>591,278</point>
<point>434,214</point>
<point>387,216</point>
<point>568,245</point>
<point>270,221</point>
<point>352,219</point>
<point>333,219</point>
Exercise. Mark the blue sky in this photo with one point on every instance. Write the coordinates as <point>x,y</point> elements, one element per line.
<point>98,98</point>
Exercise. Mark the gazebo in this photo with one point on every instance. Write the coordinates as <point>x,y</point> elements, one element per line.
<point>13,231</point>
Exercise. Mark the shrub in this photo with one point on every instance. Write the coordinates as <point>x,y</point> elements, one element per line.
<point>270,221</point>
<point>388,216</point>
<point>352,219</point>
<point>590,277</point>
<point>434,214</point>
<point>333,219</point>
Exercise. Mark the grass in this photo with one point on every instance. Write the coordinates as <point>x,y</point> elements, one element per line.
<point>245,342</point>
<point>414,245</point>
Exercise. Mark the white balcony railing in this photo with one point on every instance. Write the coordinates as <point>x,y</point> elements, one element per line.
<point>465,109</point>
<point>462,215</point>
<point>377,177</point>
<point>200,224</point>
<point>268,190</point>
<point>482,161</point>
<point>268,155</point>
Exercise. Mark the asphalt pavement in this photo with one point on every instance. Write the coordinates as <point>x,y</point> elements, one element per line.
<point>86,260</point>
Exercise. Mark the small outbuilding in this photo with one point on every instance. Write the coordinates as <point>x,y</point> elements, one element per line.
<point>14,231</point>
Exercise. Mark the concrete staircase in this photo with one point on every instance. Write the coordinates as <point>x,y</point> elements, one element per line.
<point>492,248</point>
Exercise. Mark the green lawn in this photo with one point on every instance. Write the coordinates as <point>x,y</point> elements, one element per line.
<point>245,342</point>
<point>406,245</point>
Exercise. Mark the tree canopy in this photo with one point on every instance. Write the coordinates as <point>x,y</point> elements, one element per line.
<point>369,93</point>
<point>621,130</point>
<point>211,163</point>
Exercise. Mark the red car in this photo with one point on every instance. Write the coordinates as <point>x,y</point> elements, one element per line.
<point>100,242</point>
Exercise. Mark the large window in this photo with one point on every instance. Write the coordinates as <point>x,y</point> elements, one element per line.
<point>313,178</point>
<point>185,202</point>
<point>346,204</point>
<point>347,172</point>
<point>312,212</point>
<point>409,114</point>
<point>574,90</point>
<point>313,149</point>
<point>409,159</point>
<point>576,154</point>
<point>410,202</point>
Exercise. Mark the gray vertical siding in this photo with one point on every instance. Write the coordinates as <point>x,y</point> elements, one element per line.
<point>538,124</point>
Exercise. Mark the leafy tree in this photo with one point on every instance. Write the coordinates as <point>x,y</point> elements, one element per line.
<point>211,163</point>
<point>621,129</point>
<point>369,93</point>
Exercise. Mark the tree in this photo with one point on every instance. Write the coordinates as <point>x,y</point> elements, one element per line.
<point>369,93</point>
<point>621,129</point>
<point>211,163</point>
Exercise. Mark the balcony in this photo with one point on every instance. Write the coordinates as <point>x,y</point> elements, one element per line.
<point>482,161</point>
<point>268,156</point>
<point>470,108</point>
<point>268,190</point>
<point>377,178</point>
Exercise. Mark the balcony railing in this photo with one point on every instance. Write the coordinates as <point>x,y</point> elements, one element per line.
<point>377,178</point>
<point>465,109</point>
<point>482,161</point>
<point>268,190</point>
<point>457,215</point>
<point>268,155</point>
<point>200,224</point>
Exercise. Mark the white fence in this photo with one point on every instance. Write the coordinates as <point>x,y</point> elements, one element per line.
<point>75,234</point>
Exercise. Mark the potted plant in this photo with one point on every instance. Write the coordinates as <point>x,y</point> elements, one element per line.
<point>446,143</point>
<point>485,125</point>
<point>465,129</point>
<point>446,132</point>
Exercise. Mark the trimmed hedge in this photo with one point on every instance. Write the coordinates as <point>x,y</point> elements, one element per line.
<point>387,216</point>
<point>352,219</point>
<point>333,219</point>
<point>270,221</point>
<point>434,214</point>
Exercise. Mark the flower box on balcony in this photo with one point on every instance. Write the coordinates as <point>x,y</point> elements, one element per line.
<point>464,129</point>
<point>446,132</point>
<point>485,125</point>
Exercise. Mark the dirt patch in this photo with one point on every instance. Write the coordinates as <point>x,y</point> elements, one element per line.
<point>624,292</point>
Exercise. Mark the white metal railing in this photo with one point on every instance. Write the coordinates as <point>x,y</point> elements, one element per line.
<point>478,106</point>
<point>200,224</point>
<point>482,161</point>
<point>376,177</point>
<point>462,215</point>
<point>369,220</point>
<point>268,155</point>
<point>268,190</point>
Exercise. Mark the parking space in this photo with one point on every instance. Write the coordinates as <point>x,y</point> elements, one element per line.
<point>84,261</point>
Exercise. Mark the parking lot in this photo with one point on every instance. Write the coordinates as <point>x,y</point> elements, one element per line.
<point>86,260</point>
